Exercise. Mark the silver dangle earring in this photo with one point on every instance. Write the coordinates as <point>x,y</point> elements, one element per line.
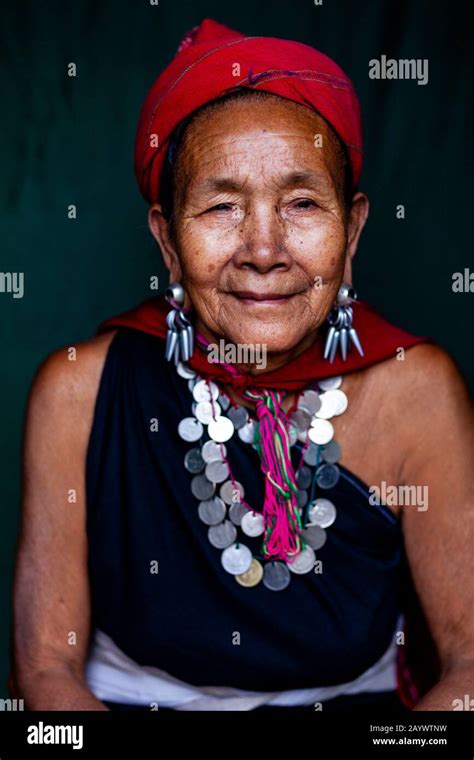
<point>180,337</point>
<point>341,333</point>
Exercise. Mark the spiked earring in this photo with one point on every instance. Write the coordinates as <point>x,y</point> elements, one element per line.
<point>341,333</point>
<point>180,337</point>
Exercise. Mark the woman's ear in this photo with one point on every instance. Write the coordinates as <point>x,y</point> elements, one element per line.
<point>357,218</point>
<point>161,230</point>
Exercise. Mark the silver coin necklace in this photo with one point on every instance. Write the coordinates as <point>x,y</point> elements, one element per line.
<point>230,520</point>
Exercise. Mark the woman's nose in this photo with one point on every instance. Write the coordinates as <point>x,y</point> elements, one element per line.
<point>263,244</point>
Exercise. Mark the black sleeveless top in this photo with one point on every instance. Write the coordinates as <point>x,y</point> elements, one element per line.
<point>323,629</point>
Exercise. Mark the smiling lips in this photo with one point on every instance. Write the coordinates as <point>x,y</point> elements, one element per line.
<point>248,296</point>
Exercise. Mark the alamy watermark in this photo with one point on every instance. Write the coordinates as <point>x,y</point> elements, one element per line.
<point>12,282</point>
<point>467,703</point>
<point>237,353</point>
<point>12,705</point>
<point>42,733</point>
<point>399,496</point>
<point>463,282</point>
<point>403,68</point>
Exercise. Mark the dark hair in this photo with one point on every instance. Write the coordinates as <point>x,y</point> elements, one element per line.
<point>167,179</point>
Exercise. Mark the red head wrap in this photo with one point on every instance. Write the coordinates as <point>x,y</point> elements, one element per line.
<point>213,60</point>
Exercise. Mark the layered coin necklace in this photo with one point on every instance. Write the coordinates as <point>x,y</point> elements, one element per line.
<point>293,522</point>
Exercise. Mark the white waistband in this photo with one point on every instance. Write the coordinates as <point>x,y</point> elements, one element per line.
<point>115,677</point>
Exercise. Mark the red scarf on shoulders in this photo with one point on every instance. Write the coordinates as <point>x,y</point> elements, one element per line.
<point>380,340</point>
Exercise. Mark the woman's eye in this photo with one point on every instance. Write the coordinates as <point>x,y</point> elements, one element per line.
<point>304,203</point>
<point>221,207</point>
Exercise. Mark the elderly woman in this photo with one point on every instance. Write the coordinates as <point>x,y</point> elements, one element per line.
<point>215,490</point>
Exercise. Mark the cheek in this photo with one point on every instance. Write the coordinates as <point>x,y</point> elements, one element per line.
<point>202,256</point>
<point>318,247</point>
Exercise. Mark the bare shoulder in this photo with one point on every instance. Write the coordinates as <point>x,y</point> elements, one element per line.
<point>425,380</point>
<point>67,381</point>
<point>429,363</point>
<point>412,380</point>
<point>426,403</point>
<point>73,371</point>
<point>403,411</point>
<point>57,426</point>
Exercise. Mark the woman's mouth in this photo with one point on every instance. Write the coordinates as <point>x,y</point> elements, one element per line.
<point>264,299</point>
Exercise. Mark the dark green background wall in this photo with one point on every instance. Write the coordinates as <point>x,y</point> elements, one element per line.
<point>69,141</point>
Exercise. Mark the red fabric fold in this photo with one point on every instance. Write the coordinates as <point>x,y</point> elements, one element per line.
<point>213,60</point>
<point>380,340</point>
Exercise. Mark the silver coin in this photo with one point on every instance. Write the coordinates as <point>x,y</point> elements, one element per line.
<point>212,450</point>
<point>252,524</point>
<point>214,390</point>
<point>321,432</point>
<point>303,436</point>
<point>276,575</point>
<point>185,371</point>
<point>300,419</point>
<point>194,462</point>
<point>329,404</point>
<point>190,429</point>
<point>202,488</point>
<point>327,475</point>
<point>205,411</point>
<point>303,562</point>
<point>200,391</point>
<point>330,383</point>
<point>340,400</point>
<point>212,511</point>
<point>247,432</point>
<point>322,512</point>
<point>204,391</point>
<point>223,535</point>
<point>236,559</point>
<point>231,492</point>
<point>302,498</point>
<point>310,456</point>
<point>314,535</point>
<point>224,401</point>
<point>237,511</point>
<point>292,435</point>
<point>239,416</point>
<point>221,429</point>
<point>309,402</point>
<point>217,471</point>
<point>304,477</point>
<point>331,452</point>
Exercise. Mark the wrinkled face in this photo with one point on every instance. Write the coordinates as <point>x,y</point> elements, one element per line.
<point>260,230</point>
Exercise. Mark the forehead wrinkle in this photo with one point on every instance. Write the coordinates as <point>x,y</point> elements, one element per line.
<point>202,140</point>
<point>220,184</point>
<point>304,178</point>
<point>232,146</point>
<point>291,180</point>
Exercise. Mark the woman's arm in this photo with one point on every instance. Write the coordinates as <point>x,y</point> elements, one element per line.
<point>51,621</point>
<point>440,539</point>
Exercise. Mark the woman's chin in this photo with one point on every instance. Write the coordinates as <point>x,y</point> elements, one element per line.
<point>273,340</point>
